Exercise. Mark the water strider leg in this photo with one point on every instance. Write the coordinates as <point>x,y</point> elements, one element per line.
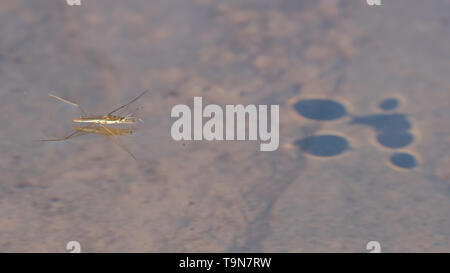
<point>125,105</point>
<point>69,102</point>
<point>72,135</point>
<point>117,141</point>
<point>132,114</point>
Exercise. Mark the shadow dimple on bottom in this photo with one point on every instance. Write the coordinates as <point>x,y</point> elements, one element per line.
<point>404,160</point>
<point>323,145</point>
<point>389,104</point>
<point>320,109</point>
<point>396,139</point>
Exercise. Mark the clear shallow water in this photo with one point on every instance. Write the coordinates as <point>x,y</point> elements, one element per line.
<point>373,81</point>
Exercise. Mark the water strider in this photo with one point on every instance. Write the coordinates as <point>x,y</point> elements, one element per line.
<point>102,120</point>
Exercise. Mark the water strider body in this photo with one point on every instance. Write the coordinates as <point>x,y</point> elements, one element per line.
<point>107,119</point>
